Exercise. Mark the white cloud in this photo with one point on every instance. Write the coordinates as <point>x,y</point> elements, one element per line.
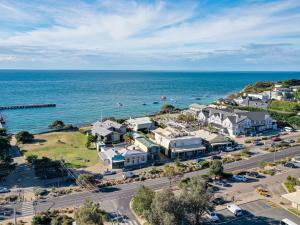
<point>149,30</point>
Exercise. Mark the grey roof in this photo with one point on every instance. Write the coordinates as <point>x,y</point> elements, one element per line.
<point>110,123</point>
<point>105,128</point>
<point>257,116</point>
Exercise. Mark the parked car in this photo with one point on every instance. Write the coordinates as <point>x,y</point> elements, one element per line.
<point>289,165</point>
<point>126,169</point>
<point>239,147</point>
<point>289,129</point>
<point>218,201</point>
<point>257,143</point>
<point>212,216</point>
<point>109,172</point>
<point>296,159</point>
<point>128,174</point>
<point>253,174</point>
<point>216,157</point>
<point>240,178</point>
<point>228,149</point>
<point>4,190</point>
<point>276,139</point>
<point>290,140</point>
<point>237,211</point>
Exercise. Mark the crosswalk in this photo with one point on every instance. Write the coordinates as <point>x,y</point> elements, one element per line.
<point>27,209</point>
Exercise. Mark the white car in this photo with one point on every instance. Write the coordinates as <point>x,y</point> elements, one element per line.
<point>296,159</point>
<point>128,174</point>
<point>229,149</point>
<point>237,211</point>
<point>240,178</point>
<point>4,190</point>
<point>239,147</point>
<point>212,216</point>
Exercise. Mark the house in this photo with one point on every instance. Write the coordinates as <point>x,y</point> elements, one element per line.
<point>251,102</point>
<point>264,96</point>
<point>294,198</point>
<point>178,143</point>
<point>140,124</point>
<point>108,131</point>
<point>121,155</point>
<point>282,93</point>
<point>195,109</point>
<point>152,149</point>
<point>236,122</point>
<point>213,141</point>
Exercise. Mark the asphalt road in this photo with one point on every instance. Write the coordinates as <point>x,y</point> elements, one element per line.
<point>118,197</point>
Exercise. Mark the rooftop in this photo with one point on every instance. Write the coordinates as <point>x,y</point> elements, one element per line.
<point>146,142</point>
<point>211,137</point>
<point>140,120</point>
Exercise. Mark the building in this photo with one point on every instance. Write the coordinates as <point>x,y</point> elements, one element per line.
<point>251,102</point>
<point>178,143</point>
<point>108,131</point>
<point>282,93</point>
<point>213,141</point>
<point>264,96</point>
<point>140,124</point>
<point>236,122</point>
<point>294,198</point>
<point>152,149</point>
<point>121,155</point>
<point>195,109</point>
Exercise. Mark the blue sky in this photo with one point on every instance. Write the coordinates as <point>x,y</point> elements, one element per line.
<point>155,35</point>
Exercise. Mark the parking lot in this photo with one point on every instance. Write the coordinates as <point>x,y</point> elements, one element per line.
<point>257,212</point>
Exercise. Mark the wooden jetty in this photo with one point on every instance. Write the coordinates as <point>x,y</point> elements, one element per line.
<point>26,106</point>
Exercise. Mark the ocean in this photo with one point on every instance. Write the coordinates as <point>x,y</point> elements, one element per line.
<point>83,96</point>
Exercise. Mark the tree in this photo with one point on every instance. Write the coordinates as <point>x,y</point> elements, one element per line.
<point>216,168</point>
<point>24,137</point>
<point>91,139</point>
<point>142,201</point>
<point>4,147</point>
<point>3,132</point>
<point>166,209</point>
<point>128,137</point>
<point>170,172</point>
<point>196,199</point>
<point>187,118</point>
<point>167,108</point>
<point>56,124</point>
<point>90,214</point>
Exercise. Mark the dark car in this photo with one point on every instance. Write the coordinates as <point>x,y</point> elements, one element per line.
<point>289,165</point>
<point>218,201</point>
<point>216,157</point>
<point>253,174</point>
<point>258,143</point>
<point>276,139</point>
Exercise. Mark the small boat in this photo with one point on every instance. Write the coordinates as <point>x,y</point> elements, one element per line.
<point>119,104</point>
<point>197,98</point>
<point>144,104</point>
<point>163,97</point>
<point>155,102</point>
<point>2,120</point>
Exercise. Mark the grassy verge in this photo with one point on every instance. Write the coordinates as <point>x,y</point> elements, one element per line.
<point>295,211</point>
<point>67,145</point>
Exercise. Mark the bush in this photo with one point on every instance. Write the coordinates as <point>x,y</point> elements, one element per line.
<point>204,164</point>
<point>141,202</point>
<point>85,180</point>
<point>24,137</point>
<point>167,108</point>
<point>247,141</point>
<point>31,158</point>
<point>291,182</point>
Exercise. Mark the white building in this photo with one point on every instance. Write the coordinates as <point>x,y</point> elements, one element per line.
<point>179,144</point>
<point>140,124</point>
<point>294,198</point>
<point>120,156</point>
<point>237,122</point>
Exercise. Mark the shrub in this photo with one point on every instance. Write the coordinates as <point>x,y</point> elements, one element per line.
<point>204,164</point>
<point>167,108</point>
<point>247,141</point>
<point>291,182</point>
<point>24,137</point>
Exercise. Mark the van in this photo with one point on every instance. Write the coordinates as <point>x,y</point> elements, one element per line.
<point>286,221</point>
<point>237,211</point>
<point>288,129</point>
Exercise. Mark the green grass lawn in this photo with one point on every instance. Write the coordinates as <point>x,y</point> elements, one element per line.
<point>284,106</point>
<point>67,145</point>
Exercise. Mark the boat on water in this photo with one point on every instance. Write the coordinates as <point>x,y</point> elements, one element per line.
<point>163,97</point>
<point>197,98</point>
<point>155,102</point>
<point>119,104</point>
<point>144,104</point>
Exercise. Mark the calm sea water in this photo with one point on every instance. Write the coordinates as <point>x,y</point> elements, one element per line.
<point>81,96</point>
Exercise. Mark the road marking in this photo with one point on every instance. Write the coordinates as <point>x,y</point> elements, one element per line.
<point>27,209</point>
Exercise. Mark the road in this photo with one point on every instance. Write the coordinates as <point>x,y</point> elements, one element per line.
<point>118,197</point>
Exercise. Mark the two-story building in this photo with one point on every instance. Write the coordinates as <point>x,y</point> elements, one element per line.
<point>152,149</point>
<point>140,124</point>
<point>179,143</point>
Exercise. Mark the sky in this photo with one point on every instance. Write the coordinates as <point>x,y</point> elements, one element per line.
<point>216,35</point>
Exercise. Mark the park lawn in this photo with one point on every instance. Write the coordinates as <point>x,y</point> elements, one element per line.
<point>69,146</point>
<point>284,106</point>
